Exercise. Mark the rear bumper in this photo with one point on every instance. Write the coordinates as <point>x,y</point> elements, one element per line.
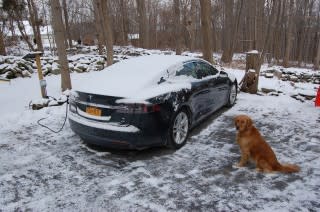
<point>112,135</point>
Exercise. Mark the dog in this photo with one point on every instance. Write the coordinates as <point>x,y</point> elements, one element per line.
<point>254,147</point>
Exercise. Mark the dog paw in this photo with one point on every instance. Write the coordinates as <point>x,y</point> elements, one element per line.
<point>259,170</point>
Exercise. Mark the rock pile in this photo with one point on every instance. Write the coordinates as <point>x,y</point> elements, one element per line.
<point>82,59</point>
<point>293,76</point>
<point>13,67</point>
<point>296,77</point>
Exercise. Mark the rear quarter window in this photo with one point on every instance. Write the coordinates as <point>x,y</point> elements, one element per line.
<point>188,69</point>
<point>204,70</point>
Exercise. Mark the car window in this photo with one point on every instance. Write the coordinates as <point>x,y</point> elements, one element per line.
<point>187,70</point>
<point>204,70</point>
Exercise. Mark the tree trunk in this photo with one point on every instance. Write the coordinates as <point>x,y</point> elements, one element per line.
<point>236,27</point>
<point>24,34</point>
<point>59,34</point>
<point>38,23</point>
<point>107,30</point>
<point>149,19</point>
<point>288,36</point>
<point>66,21</point>
<point>249,83</point>
<point>143,31</point>
<point>277,33</point>
<point>2,45</point>
<point>302,32</point>
<point>176,6</point>
<point>35,23</point>
<point>227,31</point>
<point>254,27</point>
<point>124,22</point>
<point>98,25</point>
<point>271,23</point>
<point>193,25</point>
<point>206,30</point>
<point>317,57</point>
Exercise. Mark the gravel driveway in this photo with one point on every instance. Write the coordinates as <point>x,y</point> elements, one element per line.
<point>43,171</point>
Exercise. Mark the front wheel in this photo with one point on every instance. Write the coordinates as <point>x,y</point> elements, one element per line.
<point>179,130</point>
<point>232,94</point>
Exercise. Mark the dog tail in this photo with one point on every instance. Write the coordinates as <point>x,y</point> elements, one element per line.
<point>288,168</point>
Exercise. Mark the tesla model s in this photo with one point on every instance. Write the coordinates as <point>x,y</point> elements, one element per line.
<point>148,101</point>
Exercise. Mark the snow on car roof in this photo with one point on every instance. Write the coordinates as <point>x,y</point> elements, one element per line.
<point>129,77</point>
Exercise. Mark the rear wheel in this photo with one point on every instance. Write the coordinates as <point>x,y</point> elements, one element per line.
<point>232,94</point>
<point>179,129</point>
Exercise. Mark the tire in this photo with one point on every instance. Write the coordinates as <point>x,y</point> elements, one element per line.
<point>179,129</point>
<point>232,94</point>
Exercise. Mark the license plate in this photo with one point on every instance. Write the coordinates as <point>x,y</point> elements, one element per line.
<point>93,111</point>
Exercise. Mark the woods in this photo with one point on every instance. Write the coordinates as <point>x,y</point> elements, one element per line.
<point>286,32</point>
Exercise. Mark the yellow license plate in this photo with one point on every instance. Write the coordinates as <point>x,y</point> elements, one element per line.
<point>93,111</point>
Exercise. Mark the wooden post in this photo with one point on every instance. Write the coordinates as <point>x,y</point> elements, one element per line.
<point>249,83</point>
<point>43,83</point>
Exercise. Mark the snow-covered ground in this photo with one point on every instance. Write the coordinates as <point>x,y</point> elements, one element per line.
<point>44,171</point>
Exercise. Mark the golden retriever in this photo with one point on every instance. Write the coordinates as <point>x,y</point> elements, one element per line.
<point>254,147</point>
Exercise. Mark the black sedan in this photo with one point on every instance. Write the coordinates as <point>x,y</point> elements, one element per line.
<point>148,101</point>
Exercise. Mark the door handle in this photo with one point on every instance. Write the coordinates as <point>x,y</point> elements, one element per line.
<point>202,92</point>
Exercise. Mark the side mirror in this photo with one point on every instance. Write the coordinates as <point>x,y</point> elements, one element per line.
<point>161,80</point>
<point>223,74</point>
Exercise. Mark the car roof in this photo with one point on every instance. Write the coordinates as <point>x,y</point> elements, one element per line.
<point>128,77</point>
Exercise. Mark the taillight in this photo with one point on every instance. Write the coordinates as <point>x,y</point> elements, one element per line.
<point>139,108</point>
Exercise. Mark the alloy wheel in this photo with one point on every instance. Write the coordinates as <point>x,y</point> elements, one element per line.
<point>233,94</point>
<point>180,128</point>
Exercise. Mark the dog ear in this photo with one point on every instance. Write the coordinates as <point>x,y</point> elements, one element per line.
<point>249,122</point>
<point>235,119</point>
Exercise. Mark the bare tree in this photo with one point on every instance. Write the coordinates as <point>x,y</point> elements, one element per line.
<point>277,28</point>
<point>108,31</point>
<point>106,28</point>
<point>276,47</point>
<point>143,24</point>
<point>176,6</point>
<point>124,22</point>
<point>206,30</point>
<point>59,34</point>
<point>98,25</point>
<point>270,24</point>
<point>255,25</point>
<point>102,16</point>
<point>153,7</point>
<point>317,57</point>
<point>15,10</point>
<point>288,35</point>
<point>2,45</point>
<point>236,27</point>
<point>66,21</point>
<point>228,19</point>
<point>192,24</point>
<point>35,23</point>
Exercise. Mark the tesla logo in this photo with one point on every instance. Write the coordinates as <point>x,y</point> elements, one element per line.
<point>90,98</point>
